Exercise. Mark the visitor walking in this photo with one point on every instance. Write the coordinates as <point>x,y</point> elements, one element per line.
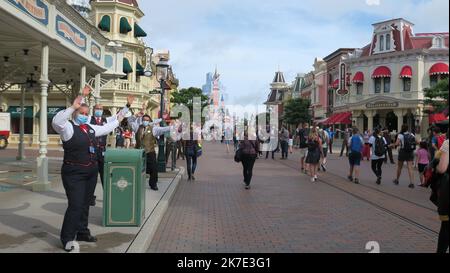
<point>378,145</point>
<point>314,153</point>
<point>356,145</point>
<point>284,142</point>
<point>422,160</point>
<point>347,135</point>
<point>324,137</point>
<point>407,143</point>
<point>366,149</point>
<point>388,138</point>
<point>303,134</point>
<point>249,151</point>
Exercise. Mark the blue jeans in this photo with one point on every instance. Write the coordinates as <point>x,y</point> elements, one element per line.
<point>191,161</point>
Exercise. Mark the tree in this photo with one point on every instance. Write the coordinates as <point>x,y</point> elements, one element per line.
<point>186,97</point>
<point>296,111</point>
<point>437,96</point>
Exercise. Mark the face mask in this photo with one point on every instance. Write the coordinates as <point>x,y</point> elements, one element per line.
<point>146,123</point>
<point>98,113</point>
<point>82,119</point>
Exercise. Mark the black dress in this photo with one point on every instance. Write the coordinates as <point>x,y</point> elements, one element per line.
<point>313,156</point>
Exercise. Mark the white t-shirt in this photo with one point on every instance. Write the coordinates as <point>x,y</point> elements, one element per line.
<point>372,141</point>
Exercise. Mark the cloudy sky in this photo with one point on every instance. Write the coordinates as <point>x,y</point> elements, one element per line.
<point>249,39</point>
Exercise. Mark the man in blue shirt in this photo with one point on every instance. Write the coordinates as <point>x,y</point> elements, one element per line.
<point>331,137</point>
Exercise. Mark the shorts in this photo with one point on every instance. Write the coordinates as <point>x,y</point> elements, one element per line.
<point>291,142</point>
<point>354,159</point>
<point>325,152</point>
<point>405,156</point>
<point>303,152</point>
<point>422,167</point>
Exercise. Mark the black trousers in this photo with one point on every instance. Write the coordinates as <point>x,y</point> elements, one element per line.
<point>273,154</point>
<point>191,163</point>
<point>79,183</point>
<point>284,149</point>
<point>101,163</point>
<point>389,153</point>
<point>169,150</point>
<point>152,169</point>
<point>443,238</point>
<point>180,150</point>
<point>331,146</point>
<point>344,146</point>
<point>376,166</point>
<point>248,161</point>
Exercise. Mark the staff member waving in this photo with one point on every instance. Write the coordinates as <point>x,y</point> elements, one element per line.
<point>80,168</point>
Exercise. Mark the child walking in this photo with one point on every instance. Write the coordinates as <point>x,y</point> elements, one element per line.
<point>422,159</point>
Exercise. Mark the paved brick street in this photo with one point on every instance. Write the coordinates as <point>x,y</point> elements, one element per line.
<point>285,212</point>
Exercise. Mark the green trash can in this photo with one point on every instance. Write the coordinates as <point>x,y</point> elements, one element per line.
<point>124,188</point>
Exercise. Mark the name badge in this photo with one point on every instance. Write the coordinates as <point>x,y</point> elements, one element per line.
<point>92,150</point>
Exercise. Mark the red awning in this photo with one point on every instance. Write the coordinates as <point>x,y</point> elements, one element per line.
<point>335,84</point>
<point>439,68</point>
<point>434,118</point>
<point>406,72</point>
<point>339,118</point>
<point>344,118</point>
<point>358,78</point>
<point>382,72</point>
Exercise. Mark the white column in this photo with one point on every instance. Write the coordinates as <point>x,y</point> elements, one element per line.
<point>97,88</point>
<point>21,151</point>
<point>399,114</point>
<point>82,77</point>
<point>370,115</point>
<point>42,183</point>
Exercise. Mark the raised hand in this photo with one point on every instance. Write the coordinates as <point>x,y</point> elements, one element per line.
<point>130,100</point>
<point>77,102</point>
<point>86,90</point>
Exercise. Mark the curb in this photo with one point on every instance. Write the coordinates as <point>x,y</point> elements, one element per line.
<point>145,236</point>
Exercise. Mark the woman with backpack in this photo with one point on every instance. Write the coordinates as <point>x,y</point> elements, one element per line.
<point>378,145</point>
<point>407,142</point>
<point>249,150</point>
<point>355,144</point>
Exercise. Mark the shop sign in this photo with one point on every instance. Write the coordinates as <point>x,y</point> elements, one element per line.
<point>34,8</point>
<point>70,33</point>
<point>382,104</point>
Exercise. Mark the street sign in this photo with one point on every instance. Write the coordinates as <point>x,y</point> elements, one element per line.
<point>154,92</point>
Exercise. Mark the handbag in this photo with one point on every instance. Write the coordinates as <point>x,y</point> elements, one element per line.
<point>238,155</point>
<point>199,151</point>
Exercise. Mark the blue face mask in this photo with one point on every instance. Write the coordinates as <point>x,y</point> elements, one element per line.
<point>98,113</point>
<point>146,123</point>
<point>82,119</point>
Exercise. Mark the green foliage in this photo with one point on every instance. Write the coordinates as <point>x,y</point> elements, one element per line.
<point>437,96</point>
<point>297,111</point>
<point>186,97</point>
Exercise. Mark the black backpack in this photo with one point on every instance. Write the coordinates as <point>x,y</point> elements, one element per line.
<point>380,146</point>
<point>409,143</point>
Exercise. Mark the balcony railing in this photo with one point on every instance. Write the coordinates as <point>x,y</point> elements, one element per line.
<point>405,95</point>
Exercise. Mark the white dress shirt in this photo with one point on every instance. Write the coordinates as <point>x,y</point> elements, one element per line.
<point>136,122</point>
<point>64,128</point>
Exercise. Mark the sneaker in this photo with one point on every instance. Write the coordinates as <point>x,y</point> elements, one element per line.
<point>323,167</point>
<point>411,186</point>
<point>378,180</point>
<point>247,187</point>
<point>356,181</point>
<point>313,179</point>
<point>350,178</point>
<point>193,178</point>
<point>395,181</point>
<point>86,238</point>
<point>72,247</point>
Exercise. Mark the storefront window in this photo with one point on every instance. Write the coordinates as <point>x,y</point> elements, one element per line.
<point>15,125</point>
<point>381,42</point>
<point>388,41</point>
<point>359,88</point>
<point>406,84</point>
<point>387,85</point>
<point>377,82</point>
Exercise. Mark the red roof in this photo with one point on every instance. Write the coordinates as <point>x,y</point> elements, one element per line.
<point>130,2</point>
<point>406,72</point>
<point>358,78</point>
<point>382,72</point>
<point>439,68</point>
<point>434,118</point>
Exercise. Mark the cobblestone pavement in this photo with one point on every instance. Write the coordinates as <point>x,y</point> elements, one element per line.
<point>284,212</point>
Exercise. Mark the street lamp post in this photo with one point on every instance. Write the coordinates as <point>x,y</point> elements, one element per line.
<point>161,72</point>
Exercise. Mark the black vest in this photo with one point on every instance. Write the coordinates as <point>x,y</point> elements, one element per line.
<point>77,151</point>
<point>101,141</point>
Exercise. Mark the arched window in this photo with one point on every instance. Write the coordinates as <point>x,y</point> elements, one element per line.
<point>105,23</point>
<point>381,42</point>
<point>388,41</point>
